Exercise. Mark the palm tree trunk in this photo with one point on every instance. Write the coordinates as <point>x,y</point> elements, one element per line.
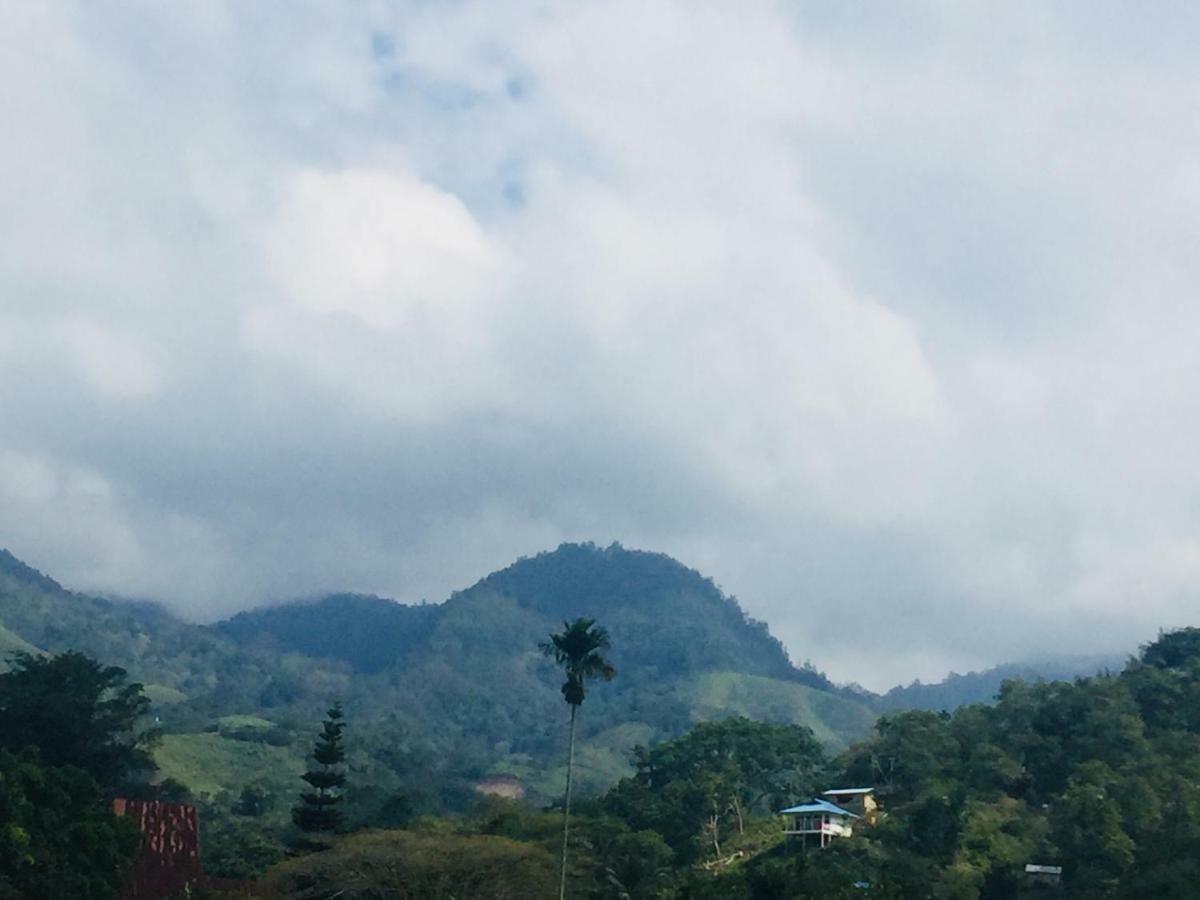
<point>562,881</point>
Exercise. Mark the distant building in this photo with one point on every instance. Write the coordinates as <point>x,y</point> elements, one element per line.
<point>168,863</point>
<point>818,822</point>
<point>859,800</point>
<point>1049,875</point>
<point>504,785</point>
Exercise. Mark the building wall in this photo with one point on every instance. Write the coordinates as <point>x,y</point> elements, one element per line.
<point>169,860</point>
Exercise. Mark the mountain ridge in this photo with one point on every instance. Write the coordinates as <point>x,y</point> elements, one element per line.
<point>445,694</point>
<point>630,592</point>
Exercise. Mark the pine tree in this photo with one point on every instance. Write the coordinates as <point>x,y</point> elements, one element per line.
<point>317,811</point>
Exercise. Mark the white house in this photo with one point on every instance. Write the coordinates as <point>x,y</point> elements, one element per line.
<point>820,821</point>
<point>859,800</point>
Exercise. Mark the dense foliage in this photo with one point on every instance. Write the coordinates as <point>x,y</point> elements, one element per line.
<point>369,633</point>
<point>77,712</point>
<point>70,736</point>
<point>1100,776</point>
<point>699,790</point>
<point>419,866</point>
<point>58,835</point>
<point>442,695</point>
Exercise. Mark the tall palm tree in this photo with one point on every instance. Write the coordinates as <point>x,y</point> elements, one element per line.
<point>578,649</point>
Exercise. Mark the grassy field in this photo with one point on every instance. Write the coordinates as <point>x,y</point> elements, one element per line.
<point>229,723</point>
<point>836,721</point>
<point>600,762</point>
<point>208,764</point>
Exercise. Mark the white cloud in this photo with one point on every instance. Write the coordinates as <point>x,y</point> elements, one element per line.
<point>114,364</point>
<point>883,319</point>
<point>383,248</point>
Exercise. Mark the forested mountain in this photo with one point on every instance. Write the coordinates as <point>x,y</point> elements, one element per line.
<point>369,633</point>
<point>683,650</point>
<point>441,695</point>
<point>1094,774</point>
<point>1098,777</point>
<point>666,620</point>
<point>957,690</point>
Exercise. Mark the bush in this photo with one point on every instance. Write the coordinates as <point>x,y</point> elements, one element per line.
<point>419,867</point>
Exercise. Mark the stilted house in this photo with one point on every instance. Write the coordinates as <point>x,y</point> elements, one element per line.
<point>819,823</point>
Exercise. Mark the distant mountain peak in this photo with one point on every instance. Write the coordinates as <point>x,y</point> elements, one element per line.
<point>666,620</point>
<point>15,568</point>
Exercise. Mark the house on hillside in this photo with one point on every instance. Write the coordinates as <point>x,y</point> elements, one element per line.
<point>1043,875</point>
<point>818,822</point>
<point>860,800</point>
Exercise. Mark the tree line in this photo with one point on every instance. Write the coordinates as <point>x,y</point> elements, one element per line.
<point>1099,776</point>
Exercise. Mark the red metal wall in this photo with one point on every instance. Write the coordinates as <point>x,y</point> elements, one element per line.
<point>169,860</point>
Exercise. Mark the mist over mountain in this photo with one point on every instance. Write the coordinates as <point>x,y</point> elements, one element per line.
<point>957,690</point>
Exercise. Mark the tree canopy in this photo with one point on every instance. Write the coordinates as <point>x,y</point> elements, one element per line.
<point>77,712</point>
<point>1098,776</point>
<point>58,835</point>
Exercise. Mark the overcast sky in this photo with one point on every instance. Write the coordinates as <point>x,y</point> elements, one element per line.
<point>883,315</point>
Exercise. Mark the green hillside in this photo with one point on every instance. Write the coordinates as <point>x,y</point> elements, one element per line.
<point>957,690</point>
<point>209,764</point>
<point>11,643</point>
<point>684,652</point>
<point>467,695</point>
<point>664,618</point>
<point>441,695</point>
<point>835,720</point>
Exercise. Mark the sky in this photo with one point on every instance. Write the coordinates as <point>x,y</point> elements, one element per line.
<point>882,315</point>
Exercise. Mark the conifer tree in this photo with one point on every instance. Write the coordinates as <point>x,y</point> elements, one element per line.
<point>317,811</point>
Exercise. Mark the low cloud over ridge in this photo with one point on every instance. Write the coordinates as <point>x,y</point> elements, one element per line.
<point>882,319</point>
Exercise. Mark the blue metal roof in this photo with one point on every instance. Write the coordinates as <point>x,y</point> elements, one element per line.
<point>848,791</point>
<point>819,806</point>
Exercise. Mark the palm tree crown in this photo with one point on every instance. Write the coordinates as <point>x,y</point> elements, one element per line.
<point>578,650</point>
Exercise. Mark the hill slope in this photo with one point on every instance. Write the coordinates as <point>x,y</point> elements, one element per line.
<point>982,687</point>
<point>665,619</point>
<point>473,665</point>
<point>440,695</point>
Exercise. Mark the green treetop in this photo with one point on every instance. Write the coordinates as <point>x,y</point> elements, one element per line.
<point>318,810</point>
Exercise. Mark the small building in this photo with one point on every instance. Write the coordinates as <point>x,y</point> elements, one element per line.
<point>503,785</point>
<point>168,863</point>
<point>1047,875</point>
<point>819,821</point>
<point>859,800</point>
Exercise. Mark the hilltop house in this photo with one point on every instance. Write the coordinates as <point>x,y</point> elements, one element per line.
<point>860,800</point>
<point>819,821</point>
<point>832,815</point>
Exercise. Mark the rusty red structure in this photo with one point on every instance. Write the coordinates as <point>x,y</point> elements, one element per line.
<point>169,860</point>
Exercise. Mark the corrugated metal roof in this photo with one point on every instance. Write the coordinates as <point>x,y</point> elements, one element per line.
<point>869,790</point>
<point>821,806</point>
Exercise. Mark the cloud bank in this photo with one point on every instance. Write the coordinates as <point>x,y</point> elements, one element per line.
<point>884,318</point>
